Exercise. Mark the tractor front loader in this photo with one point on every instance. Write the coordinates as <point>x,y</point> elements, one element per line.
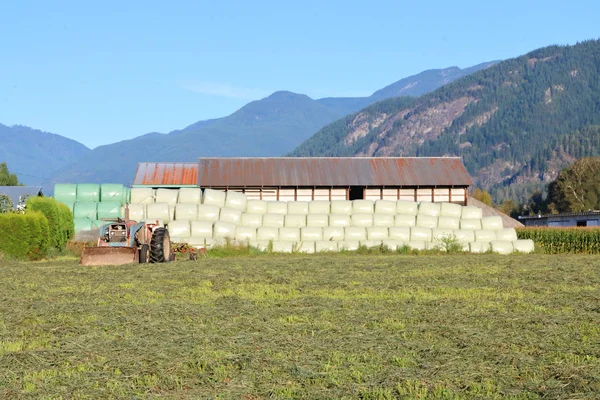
<point>126,242</point>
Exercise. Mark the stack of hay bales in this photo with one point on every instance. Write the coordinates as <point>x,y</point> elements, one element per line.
<point>92,202</point>
<point>204,218</point>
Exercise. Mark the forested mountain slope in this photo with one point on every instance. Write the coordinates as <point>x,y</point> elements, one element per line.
<point>516,124</point>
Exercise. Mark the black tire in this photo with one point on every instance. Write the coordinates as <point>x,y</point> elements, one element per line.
<point>144,254</point>
<point>160,246</point>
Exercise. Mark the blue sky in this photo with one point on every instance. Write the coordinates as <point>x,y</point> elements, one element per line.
<point>107,71</point>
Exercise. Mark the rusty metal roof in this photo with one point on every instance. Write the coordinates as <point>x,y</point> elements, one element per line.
<point>166,174</point>
<point>332,171</point>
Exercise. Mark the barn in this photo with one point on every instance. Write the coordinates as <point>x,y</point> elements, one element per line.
<point>431,179</point>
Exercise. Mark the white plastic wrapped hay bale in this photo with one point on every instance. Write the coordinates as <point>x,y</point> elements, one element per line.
<point>142,196</point>
<point>362,219</point>
<point>427,221</point>
<point>158,211</point>
<point>256,207</point>
<point>209,242</point>
<point>319,207</point>
<point>407,207</point>
<point>431,209</point>
<point>179,228</point>
<point>333,233</point>
<point>319,220</point>
<point>311,233</point>
<point>471,212</point>
<point>244,233</point>
<point>137,212</point>
<point>273,220</point>
<point>208,212</point>
<point>501,246</point>
<point>297,207</point>
<point>450,210</point>
<point>230,215</point>
<point>289,234</point>
<point>377,233</point>
<point>341,207</point>
<point>175,239</point>
<point>295,220</point>
<point>325,245</point>
<point>214,197</point>
<point>277,207</point>
<point>261,245</point>
<point>393,244</point>
<point>267,233</point>
<point>251,220</point>
<point>448,222</point>
<point>370,243</point>
<point>306,247</point>
<point>384,220</point>
<point>168,196</point>
<point>186,211</point>
<point>470,224</point>
<point>201,229</point>
<point>417,245</point>
<point>400,233</point>
<point>282,247</point>
<point>348,245</point>
<point>385,207</point>
<point>492,223</point>
<point>340,220</point>
<point>523,245</point>
<point>406,220</point>
<point>190,195</point>
<point>363,206</point>
<point>440,234</point>
<point>223,229</point>
<point>355,233</point>
<point>484,235</point>
<point>196,242</point>
<point>236,200</point>
<point>464,235</point>
<point>509,234</point>
<point>420,234</point>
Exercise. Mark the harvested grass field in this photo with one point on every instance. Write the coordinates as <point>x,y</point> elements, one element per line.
<point>320,326</point>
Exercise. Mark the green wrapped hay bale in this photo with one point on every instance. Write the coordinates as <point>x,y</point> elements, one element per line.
<point>96,223</point>
<point>109,210</point>
<point>111,192</point>
<point>88,192</point>
<point>126,195</point>
<point>82,224</point>
<point>66,193</point>
<point>85,209</point>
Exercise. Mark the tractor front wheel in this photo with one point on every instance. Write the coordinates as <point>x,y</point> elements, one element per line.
<point>160,246</point>
<point>144,254</point>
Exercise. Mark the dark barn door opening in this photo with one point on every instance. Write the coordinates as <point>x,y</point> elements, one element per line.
<point>357,193</point>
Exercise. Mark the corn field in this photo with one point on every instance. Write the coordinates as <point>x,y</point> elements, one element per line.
<point>563,240</point>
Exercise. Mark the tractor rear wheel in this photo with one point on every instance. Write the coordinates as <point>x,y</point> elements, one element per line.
<point>160,246</point>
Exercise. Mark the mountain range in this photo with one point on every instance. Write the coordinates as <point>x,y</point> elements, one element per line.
<point>271,126</point>
<point>516,124</point>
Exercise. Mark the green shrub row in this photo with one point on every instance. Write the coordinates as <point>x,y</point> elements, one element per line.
<point>563,240</point>
<point>25,236</point>
<point>60,219</point>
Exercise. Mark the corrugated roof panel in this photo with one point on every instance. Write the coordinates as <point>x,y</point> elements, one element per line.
<point>332,171</point>
<point>166,174</point>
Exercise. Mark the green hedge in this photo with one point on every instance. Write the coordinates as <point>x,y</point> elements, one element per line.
<point>27,236</point>
<point>60,219</point>
<point>563,240</point>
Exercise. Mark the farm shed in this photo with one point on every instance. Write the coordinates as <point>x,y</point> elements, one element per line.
<point>18,194</point>
<point>591,218</point>
<point>436,179</point>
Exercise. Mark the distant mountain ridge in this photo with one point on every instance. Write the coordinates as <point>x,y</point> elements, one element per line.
<point>271,126</point>
<point>515,124</point>
<point>36,155</point>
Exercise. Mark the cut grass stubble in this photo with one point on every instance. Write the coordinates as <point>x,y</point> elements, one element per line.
<point>321,326</point>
